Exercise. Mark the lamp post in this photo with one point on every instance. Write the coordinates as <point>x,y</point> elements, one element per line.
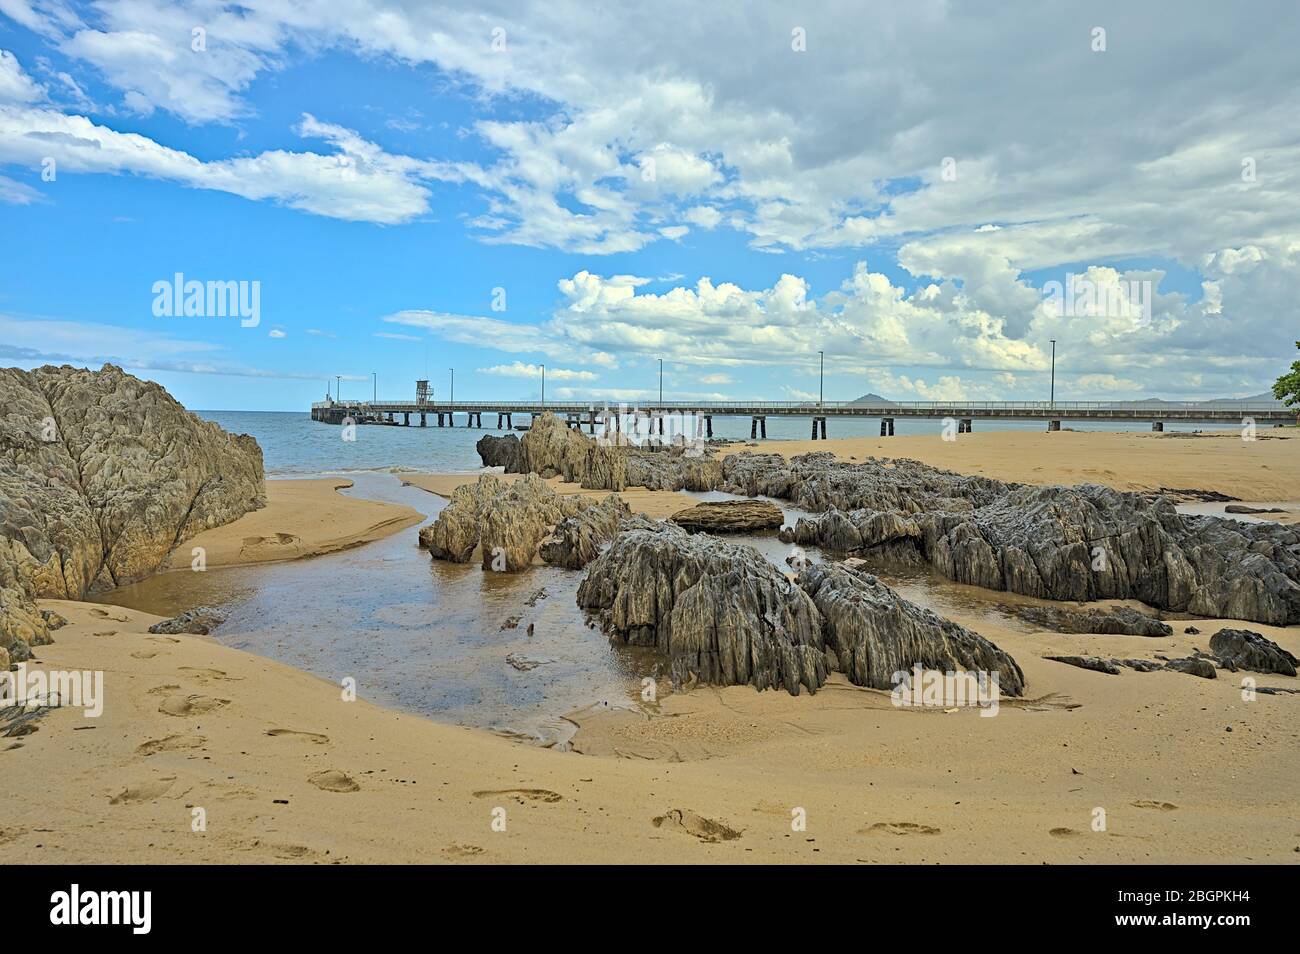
<point>374,394</point>
<point>543,385</point>
<point>338,387</point>
<point>1052,394</point>
<point>821,376</point>
<point>452,402</point>
<point>661,382</point>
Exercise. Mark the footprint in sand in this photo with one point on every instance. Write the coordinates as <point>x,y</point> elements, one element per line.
<point>106,632</point>
<point>689,823</point>
<point>190,705</point>
<point>104,614</point>
<point>1149,803</point>
<point>143,792</point>
<point>274,540</point>
<point>169,689</point>
<point>205,675</point>
<point>899,828</point>
<point>462,851</point>
<point>162,639</point>
<point>522,795</point>
<point>144,654</point>
<point>1064,832</point>
<point>332,780</point>
<point>171,743</point>
<point>11,834</point>
<point>314,737</point>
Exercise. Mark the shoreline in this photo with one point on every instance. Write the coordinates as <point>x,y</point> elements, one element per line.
<point>288,772</point>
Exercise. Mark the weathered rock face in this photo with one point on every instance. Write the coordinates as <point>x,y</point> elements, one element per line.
<point>1116,620</point>
<point>101,475</point>
<point>509,523</point>
<point>875,633</point>
<point>577,540</point>
<point>673,470</point>
<point>723,614</point>
<point>1245,649</point>
<point>1065,543</point>
<point>718,612</point>
<point>506,451</point>
<point>730,516</point>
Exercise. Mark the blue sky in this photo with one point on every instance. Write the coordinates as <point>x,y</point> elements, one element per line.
<point>381,177</point>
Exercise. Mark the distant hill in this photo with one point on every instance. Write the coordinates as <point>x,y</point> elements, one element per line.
<point>875,400</point>
<point>1266,396</point>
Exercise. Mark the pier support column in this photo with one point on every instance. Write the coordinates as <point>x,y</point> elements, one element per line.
<point>1053,425</point>
<point>406,419</point>
<point>1157,425</point>
<point>423,422</point>
<point>964,426</point>
<point>509,425</point>
<point>886,427</point>
<point>591,421</point>
<point>755,424</point>
<point>708,424</point>
<point>499,422</point>
<point>823,423</point>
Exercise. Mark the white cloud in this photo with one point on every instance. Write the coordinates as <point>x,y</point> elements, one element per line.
<point>520,370</point>
<point>15,85</point>
<point>276,333</point>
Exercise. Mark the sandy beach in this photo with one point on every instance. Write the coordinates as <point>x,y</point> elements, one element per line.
<point>1265,469</point>
<point>302,518</point>
<point>286,770</point>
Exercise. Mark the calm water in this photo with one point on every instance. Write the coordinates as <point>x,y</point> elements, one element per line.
<point>448,640</point>
<point>295,445</point>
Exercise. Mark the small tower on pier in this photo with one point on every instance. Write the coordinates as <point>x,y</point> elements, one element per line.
<point>421,392</point>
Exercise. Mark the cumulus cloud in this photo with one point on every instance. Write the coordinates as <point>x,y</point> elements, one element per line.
<point>519,369</point>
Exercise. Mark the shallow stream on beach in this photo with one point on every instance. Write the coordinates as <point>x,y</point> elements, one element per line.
<point>452,642</point>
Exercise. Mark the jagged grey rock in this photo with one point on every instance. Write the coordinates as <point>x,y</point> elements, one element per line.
<point>1114,620</point>
<point>506,451</point>
<point>1246,649</point>
<point>577,540</point>
<point>1094,663</point>
<point>730,516</point>
<point>1065,543</point>
<point>196,622</point>
<point>1193,666</point>
<point>508,522</point>
<point>101,476</point>
<point>718,612</point>
<point>875,633</point>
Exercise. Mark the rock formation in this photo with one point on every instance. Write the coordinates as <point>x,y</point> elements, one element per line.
<point>577,540</point>
<point>721,613</point>
<point>101,476</point>
<point>506,451</point>
<point>1114,620</point>
<point>1245,649</point>
<point>507,523</point>
<point>1064,543</point>
<point>875,633</point>
<point>730,516</point>
<point>717,612</point>
<point>196,622</point>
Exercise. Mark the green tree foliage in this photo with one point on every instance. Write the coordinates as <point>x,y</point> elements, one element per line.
<point>1287,388</point>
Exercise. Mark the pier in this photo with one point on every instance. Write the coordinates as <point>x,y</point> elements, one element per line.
<point>425,412</point>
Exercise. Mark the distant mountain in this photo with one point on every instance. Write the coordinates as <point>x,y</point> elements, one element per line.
<point>873,399</point>
<point>1266,396</point>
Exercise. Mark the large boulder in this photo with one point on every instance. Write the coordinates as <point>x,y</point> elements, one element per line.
<point>730,516</point>
<point>1064,543</point>
<point>506,452</point>
<point>1246,649</point>
<point>717,612</point>
<point>101,476</point>
<point>875,633</point>
<point>509,524</point>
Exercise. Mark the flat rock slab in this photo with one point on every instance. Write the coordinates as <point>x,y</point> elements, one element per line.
<point>730,516</point>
